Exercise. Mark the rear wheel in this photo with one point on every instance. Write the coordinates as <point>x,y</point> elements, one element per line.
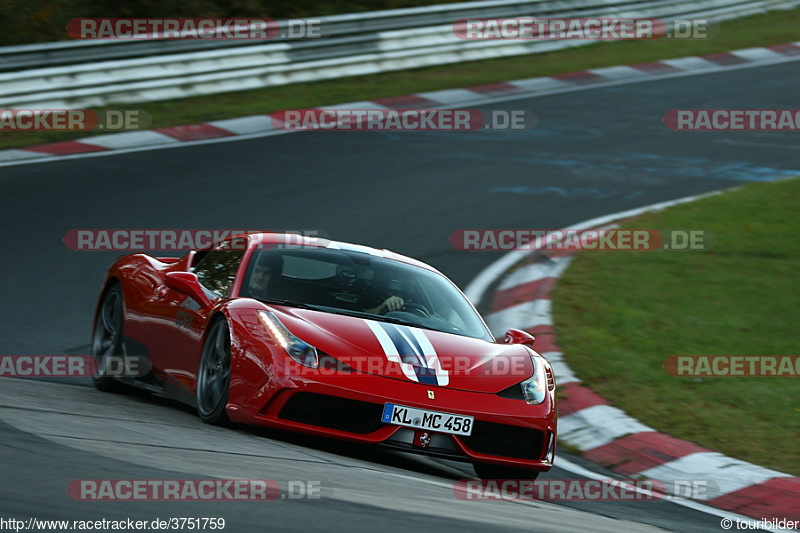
<point>107,339</point>
<point>490,471</point>
<point>214,374</point>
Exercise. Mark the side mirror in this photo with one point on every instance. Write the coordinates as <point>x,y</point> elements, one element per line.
<point>517,336</point>
<point>186,283</point>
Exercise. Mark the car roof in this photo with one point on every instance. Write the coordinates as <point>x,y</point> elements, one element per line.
<point>264,239</point>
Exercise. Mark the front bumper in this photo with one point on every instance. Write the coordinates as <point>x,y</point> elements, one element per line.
<point>507,432</point>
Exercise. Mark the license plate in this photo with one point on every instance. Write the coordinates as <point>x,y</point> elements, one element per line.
<point>412,417</point>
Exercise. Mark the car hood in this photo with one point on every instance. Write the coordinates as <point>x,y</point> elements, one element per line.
<point>410,353</point>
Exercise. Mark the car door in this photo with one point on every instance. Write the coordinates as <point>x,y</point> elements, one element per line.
<point>216,272</point>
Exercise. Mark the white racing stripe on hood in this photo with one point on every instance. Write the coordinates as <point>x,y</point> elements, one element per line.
<point>390,350</point>
<point>419,342</point>
<point>442,376</point>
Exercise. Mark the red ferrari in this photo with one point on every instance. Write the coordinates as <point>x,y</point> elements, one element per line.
<point>328,338</point>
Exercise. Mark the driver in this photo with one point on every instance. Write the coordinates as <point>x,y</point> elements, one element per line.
<point>265,281</point>
<point>392,302</point>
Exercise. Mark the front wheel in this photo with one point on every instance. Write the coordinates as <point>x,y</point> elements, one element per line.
<point>490,471</point>
<point>214,375</point>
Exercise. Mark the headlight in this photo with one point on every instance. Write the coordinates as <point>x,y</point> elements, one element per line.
<point>534,389</point>
<point>299,350</point>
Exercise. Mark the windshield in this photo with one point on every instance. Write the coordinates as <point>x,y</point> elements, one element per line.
<point>360,284</point>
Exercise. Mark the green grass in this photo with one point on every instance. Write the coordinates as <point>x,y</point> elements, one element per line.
<point>762,30</point>
<point>620,315</point>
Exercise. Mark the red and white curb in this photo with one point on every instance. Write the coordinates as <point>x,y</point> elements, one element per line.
<point>605,434</point>
<point>261,125</point>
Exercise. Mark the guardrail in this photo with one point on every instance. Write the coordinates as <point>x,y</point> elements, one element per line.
<point>100,72</point>
<point>69,52</point>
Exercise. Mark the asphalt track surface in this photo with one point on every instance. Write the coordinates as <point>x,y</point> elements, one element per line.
<point>594,152</point>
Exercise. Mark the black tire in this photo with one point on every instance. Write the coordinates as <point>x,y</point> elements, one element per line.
<point>490,471</point>
<point>214,374</point>
<point>107,338</point>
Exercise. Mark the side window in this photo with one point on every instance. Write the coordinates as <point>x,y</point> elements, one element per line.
<point>217,270</point>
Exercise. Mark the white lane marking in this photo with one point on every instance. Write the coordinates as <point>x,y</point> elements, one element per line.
<point>690,64</point>
<point>757,54</point>
<point>542,85</point>
<point>578,470</point>
<point>730,474</point>
<point>244,125</point>
<point>130,139</point>
<point>596,426</point>
<point>522,316</point>
<point>364,104</point>
<point>15,154</point>
<point>546,269</point>
<point>561,370</point>
<point>449,96</point>
<point>622,72</point>
<point>558,89</point>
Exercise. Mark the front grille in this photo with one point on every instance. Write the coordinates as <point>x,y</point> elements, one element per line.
<point>333,412</point>
<point>505,441</point>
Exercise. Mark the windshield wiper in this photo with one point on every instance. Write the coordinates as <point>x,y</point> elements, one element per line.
<point>364,314</point>
<point>347,312</point>
<point>290,303</point>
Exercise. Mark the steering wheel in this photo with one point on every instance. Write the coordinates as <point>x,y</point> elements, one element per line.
<point>347,277</point>
<point>416,309</point>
